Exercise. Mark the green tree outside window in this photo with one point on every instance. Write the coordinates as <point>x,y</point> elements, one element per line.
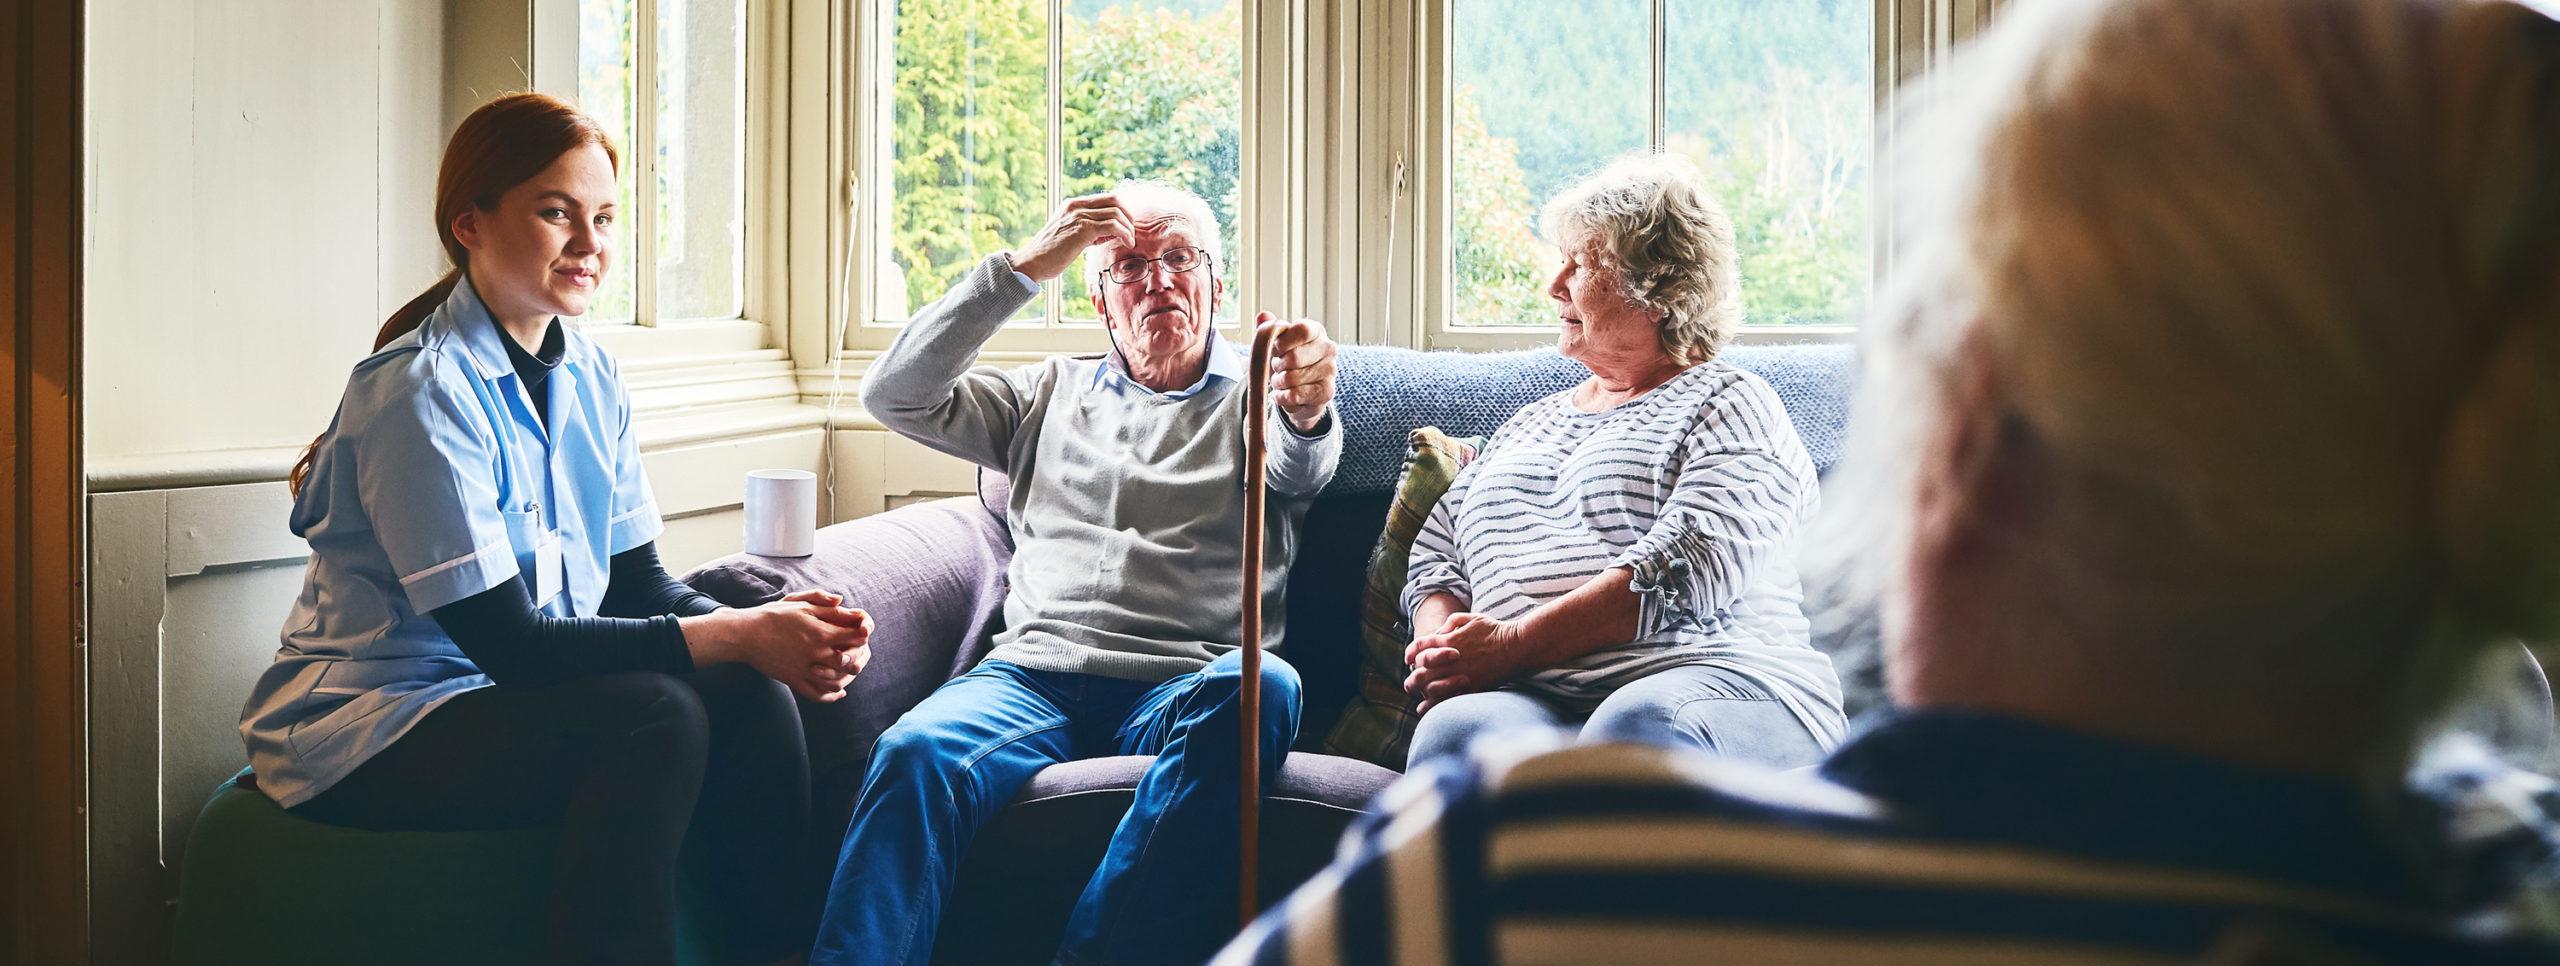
<point>1770,97</point>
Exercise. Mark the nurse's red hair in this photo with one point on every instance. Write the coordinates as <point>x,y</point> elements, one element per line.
<point>503,144</point>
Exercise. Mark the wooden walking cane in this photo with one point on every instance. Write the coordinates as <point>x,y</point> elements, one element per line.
<point>1257,403</point>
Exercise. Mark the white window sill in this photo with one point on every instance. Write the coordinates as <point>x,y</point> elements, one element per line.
<point>638,346</point>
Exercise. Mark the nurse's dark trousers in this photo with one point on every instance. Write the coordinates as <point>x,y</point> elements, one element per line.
<point>635,769</point>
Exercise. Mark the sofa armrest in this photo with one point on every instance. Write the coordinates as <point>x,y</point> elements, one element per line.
<point>932,577</point>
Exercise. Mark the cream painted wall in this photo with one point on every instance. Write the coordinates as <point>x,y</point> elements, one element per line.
<point>261,174</point>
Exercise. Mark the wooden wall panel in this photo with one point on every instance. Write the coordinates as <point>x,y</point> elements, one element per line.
<point>192,585</point>
<point>131,881</point>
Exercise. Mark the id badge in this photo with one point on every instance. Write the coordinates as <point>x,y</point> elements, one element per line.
<point>547,575</point>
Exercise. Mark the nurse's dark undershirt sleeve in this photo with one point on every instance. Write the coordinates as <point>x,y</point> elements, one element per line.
<point>517,646</point>
<point>639,586</point>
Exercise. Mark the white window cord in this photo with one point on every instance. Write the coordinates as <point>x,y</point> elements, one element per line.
<point>840,322</point>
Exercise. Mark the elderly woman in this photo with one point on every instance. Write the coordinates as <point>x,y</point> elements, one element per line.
<point>1619,556</point>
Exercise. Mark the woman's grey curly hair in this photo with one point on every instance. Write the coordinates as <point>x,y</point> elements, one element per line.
<point>1646,218</point>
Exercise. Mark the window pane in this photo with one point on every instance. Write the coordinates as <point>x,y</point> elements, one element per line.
<point>605,66</point>
<point>701,158</point>
<point>1155,89</point>
<point>968,153</point>
<point>1774,102</point>
<point>1536,100</point>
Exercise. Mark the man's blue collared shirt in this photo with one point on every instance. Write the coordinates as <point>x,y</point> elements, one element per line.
<point>1225,362</point>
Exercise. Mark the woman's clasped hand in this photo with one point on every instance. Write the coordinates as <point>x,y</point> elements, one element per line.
<point>807,640</point>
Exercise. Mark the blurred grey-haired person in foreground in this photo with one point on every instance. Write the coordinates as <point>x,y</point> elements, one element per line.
<point>2208,449</point>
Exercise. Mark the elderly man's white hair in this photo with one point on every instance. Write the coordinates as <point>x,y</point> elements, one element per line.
<point>1139,195</point>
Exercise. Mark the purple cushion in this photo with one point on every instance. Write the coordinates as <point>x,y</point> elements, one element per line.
<point>932,576</point>
<point>995,492</point>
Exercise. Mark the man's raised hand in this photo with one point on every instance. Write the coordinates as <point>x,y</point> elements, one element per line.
<point>1080,223</point>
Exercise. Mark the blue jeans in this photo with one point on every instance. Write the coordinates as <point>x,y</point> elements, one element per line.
<point>1166,890</point>
<point>1695,706</point>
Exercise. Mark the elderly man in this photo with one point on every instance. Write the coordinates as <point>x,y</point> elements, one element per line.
<point>1122,626</point>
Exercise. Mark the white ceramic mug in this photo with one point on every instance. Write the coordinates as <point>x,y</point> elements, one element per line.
<point>782,513</point>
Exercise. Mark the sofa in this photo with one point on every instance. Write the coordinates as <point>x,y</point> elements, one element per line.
<point>932,575</point>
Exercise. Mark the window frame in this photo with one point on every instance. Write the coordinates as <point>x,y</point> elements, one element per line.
<point>648,341</point>
<point>1344,163</point>
<point>1432,81</point>
<point>1339,203</point>
<point>863,111</point>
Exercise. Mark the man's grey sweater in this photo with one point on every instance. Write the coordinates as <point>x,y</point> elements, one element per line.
<point>1128,510</point>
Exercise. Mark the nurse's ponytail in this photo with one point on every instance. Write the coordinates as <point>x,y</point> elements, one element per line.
<point>503,144</point>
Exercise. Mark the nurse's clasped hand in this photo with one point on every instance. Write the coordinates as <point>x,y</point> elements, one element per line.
<point>809,641</point>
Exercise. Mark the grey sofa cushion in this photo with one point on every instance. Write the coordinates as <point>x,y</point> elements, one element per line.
<point>1026,867</point>
<point>1325,783</point>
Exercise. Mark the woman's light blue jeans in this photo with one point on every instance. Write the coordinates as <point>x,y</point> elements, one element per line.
<point>1166,890</point>
<point>1696,706</point>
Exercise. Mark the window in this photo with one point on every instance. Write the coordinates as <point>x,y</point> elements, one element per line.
<point>995,111</point>
<point>1771,98</point>
<point>668,78</point>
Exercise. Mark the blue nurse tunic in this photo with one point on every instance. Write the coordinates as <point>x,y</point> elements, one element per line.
<point>438,480</point>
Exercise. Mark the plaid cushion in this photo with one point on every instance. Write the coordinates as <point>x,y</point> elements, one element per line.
<point>1377,726</point>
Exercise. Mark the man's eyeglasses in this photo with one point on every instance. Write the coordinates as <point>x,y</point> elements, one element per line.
<point>1129,268</point>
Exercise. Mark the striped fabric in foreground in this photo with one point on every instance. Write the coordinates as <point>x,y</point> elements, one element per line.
<point>1929,839</point>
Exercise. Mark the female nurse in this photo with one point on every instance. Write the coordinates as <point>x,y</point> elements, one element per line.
<point>485,636</point>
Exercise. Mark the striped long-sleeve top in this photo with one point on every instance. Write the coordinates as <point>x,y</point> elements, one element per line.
<point>1930,839</point>
<point>1698,487</point>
